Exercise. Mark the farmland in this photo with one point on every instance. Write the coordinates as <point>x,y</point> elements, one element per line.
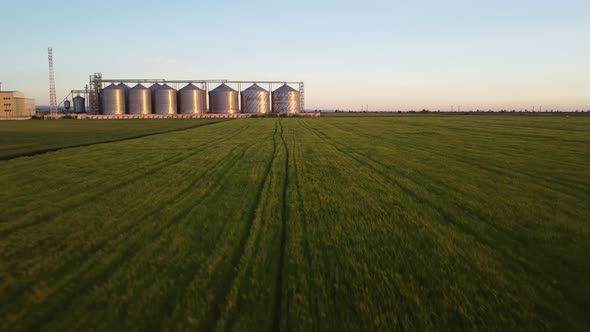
<point>420,223</point>
<point>29,137</point>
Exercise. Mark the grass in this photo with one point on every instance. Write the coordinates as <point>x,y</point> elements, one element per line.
<point>21,138</point>
<point>304,224</point>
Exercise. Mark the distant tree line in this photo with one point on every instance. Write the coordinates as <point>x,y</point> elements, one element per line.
<point>460,112</point>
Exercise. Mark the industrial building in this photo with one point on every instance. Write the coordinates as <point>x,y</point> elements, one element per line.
<point>15,105</point>
<point>146,97</point>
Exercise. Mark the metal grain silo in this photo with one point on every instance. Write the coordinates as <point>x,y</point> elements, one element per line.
<point>79,104</point>
<point>113,100</point>
<point>126,88</point>
<point>192,100</point>
<point>223,99</point>
<point>165,100</point>
<point>285,100</point>
<point>255,100</point>
<point>140,100</point>
<point>153,89</point>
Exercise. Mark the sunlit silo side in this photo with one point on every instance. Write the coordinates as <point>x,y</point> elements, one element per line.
<point>153,89</point>
<point>192,100</point>
<point>285,100</point>
<point>255,100</point>
<point>223,99</point>
<point>113,100</point>
<point>126,88</point>
<point>79,104</point>
<point>165,100</point>
<point>140,100</point>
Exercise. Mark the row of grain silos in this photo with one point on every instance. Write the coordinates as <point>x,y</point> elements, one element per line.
<point>163,99</point>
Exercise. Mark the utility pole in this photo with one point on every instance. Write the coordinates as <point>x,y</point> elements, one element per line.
<point>52,96</point>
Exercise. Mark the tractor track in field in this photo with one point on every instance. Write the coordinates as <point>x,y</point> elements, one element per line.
<point>49,216</point>
<point>223,302</point>
<point>564,185</point>
<point>338,314</point>
<point>134,227</point>
<point>163,164</point>
<point>130,252</point>
<point>115,140</point>
<point>435,185</point>
<point>284,216</point>
<point>312,303</point>
<point>436,208</point>
<point>121,234</point>
<point>370,163</point>
<point>169,301</point>
<point>227,296</point>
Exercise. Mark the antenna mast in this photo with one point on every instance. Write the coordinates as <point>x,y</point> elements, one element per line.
<point>52,97</point>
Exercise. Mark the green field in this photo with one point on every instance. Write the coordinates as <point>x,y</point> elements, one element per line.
<point>21,138</point>
<point>327,224</point>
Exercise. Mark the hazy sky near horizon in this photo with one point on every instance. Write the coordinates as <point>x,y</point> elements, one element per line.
<point>388,54</point>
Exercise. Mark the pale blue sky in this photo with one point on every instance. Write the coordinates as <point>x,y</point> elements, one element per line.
<point>388,54</point>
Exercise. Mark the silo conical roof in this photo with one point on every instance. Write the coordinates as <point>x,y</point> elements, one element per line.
<point>255,87</point>
<point>285,88</point>
<point>166,86</point>
<point>190,86</point>
<point>112,86</point>
<point>222,87</point>
<point>138,87</point>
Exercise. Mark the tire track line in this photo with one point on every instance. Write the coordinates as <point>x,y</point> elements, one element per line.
<point>75,196</point>
<point>130,252</point>
<point>337,313</point>
<point>440,209</point>
<point>170,300</point>
<point>562,186</point>
<point>284,217</point>
<point>312,303</point>
<point>48,150</point>
<point>163,164</point>
<point>122,234</point>
<point>226,298</point>
<point>165,186</point>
